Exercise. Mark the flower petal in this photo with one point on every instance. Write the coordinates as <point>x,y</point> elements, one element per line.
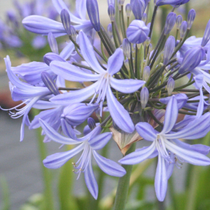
<point>146,131</point>
<point>139,155</point>
<point>161,180</point>
<point>171,115</point>
<point>71,72</point>
<point>119,114</point>
<point>126,85</point>
<point>75,96</point>
<point>190,156</point>
<point>195,129</point>
<point>115,62</point>
<point>109,166</point>
<point>88,53</point>
<point>54,135</point>
<point>67,50</point>
<point>90,181</point>
<point>100,140</point>
<point>58,159</point>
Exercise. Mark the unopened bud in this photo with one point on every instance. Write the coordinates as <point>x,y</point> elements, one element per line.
<point>192,59</point>
<point>170,21</point>
<point>146,73</point>
<point>183,29</point>
<point>168,49</point>
<point>144,17</point>
<point>49,83</point>
<point>128,10</point>
<point>66,21</point>
<point>109,30</point>
<point>170,85</point>
<point>206,36</point>
<point>144,97</point>
<point>190,18</point>
<point>52,42</point>
<point>121,2</point>
<point>91,123</point>
<point>138,7</point>
<point>111,12</point>
<point>126,46</point>
<point>178,21</point>
<point>92,9</point>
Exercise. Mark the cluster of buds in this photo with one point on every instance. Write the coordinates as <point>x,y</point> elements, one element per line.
<point>128,77</point>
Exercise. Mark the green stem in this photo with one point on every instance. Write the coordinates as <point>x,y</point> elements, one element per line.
<point>123,185</point>
<point>47,179</point>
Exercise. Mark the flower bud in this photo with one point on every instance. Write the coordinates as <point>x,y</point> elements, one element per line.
<point>109,30</point>
<point>128,10</point>
<point>206,36</point>
<point>146,73</point>
<point>111,12</point>
<point>126,46</point>
<point>190,18</point>
<point>178,21</point>
<point>144,97</point>
<point>121,2</point>
<point>170,21</point>
<point>183,29</point>
<point>91,123</point>
<point>192,59</point>
<point>53,43</point>
<point>66,21</point>
<point>73,33</point>
<point>144,17</point>
<point>170,85</point>
<point>138,7</point>
<point>75,114</point>
<point>168,49</point>
<point>49,83</point>
<point>92,9</point>
<point>137,32</point>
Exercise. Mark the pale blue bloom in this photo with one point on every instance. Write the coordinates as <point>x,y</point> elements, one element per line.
<point>102,87</point>
<point>168,148</point>
<point>88,145</point>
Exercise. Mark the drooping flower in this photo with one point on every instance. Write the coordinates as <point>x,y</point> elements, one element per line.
<point>88,145</point>
<point>168,148</point>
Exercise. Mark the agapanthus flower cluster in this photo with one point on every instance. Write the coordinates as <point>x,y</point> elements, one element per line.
<point>13,35</point>
<point>126,82</point>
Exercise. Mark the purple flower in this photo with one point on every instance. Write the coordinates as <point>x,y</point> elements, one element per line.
<point>168,148</point>
<point>137,32</point>
<point>88,145</point>
<point>102,87</point>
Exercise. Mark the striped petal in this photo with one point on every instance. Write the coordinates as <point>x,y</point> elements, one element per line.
<point>190,156</point>
<point>146,131</point>
<point>161,179</point>
<point>139,155</point>
<point>88,53</point>
<point>119,114</point>
<point>90,181</point>
<point>54,135</point>
<point>115,62</point>
<point>58,159</point>
<point>71,72</point>
<point>126,85</point>
<point>108,166</point>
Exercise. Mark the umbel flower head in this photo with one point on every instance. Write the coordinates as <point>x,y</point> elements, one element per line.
<point>117,79</point>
